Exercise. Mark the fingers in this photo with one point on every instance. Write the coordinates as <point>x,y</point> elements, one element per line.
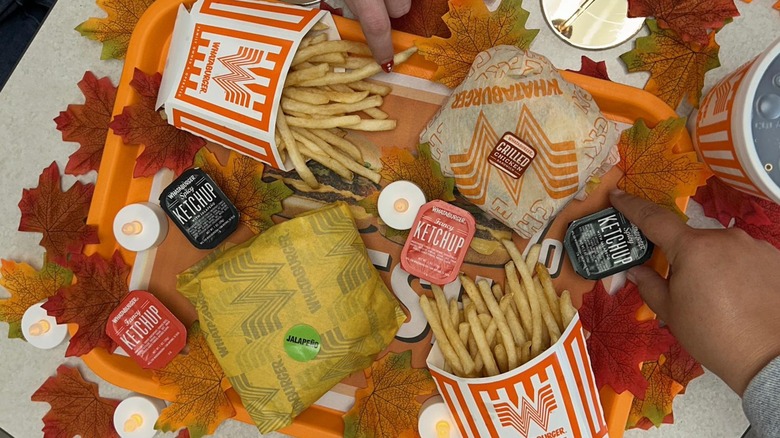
<point>397,8</point>
<point>375,21</point>
<point>653,288</point>
<point>660,225</point>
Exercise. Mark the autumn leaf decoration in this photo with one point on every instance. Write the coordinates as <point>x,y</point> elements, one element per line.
<point>387,407</point>
<point>87,123</point>
<point>200,403</point>
<point>692,20</point>
<point>165,146</point>
<point>241,180</point>
<point>424,19</point>
<point>60,216</point>
<point>76,407</point>
<point>474,29</point>
<point>651,170</point>
<point>114,30</point>
<point>27,287</point>
<point>100,286</point>
<point>618,342</point>
<point>593,69</point>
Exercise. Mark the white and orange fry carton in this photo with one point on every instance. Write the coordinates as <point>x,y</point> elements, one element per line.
<point>552,396</point>
<point>226,68</point>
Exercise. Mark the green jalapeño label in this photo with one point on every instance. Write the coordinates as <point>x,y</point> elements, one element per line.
<point>302,343</point>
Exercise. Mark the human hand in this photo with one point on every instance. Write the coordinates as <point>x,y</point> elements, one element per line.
<point>722,297</point>
<point>374,17</point>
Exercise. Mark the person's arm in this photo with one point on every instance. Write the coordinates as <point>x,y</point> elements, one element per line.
<point>374,17</point>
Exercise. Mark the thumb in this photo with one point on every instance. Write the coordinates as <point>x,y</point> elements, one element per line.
<point>653,288</point>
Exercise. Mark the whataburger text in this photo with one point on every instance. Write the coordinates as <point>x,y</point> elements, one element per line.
<point>497,95</point>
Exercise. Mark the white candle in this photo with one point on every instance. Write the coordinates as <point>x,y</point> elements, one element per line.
<point>140,226</point>
<point>435,420</point>
<point>135,416</point>
<point>42,330</point>
<point>398,204</point>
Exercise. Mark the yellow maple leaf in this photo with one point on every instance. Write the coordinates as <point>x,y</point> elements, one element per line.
<point>242,181</point>
<point>657,402</point>
<point>27,287</point>
<point>651,170</point>
<point>475,29</point>
<point>114,30</point>
<point>200,404</point>
<point>387,407</point>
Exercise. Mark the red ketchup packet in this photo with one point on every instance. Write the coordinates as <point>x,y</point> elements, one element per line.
<point>146,330</point>
<point>438,242</point>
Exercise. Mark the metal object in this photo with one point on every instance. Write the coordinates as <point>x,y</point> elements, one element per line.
<point>303,2</point>
<point>591,24</point>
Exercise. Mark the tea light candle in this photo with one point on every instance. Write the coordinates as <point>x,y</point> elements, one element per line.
<point>135,416</point>
<point>42,330</point>
<point>435,420</point>
<point>140,226</point>
<point>398,204</point>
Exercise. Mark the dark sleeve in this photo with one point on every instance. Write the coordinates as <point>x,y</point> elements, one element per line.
<point>761,401</point>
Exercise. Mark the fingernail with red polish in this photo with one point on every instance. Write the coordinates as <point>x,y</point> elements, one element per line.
<point>388,66</point>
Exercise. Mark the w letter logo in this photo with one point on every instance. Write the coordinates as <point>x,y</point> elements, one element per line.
<point>520,417</point>
<point>235,93</point>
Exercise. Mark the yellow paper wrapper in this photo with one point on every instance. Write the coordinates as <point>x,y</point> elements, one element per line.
<point>314,271</point>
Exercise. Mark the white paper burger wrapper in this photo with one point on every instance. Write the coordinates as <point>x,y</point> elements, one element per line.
<point>226,68</point>
<point>553,395</point>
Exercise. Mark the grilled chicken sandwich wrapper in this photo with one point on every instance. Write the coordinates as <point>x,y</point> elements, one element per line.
<point>292,312</point>
<point>509,90</point>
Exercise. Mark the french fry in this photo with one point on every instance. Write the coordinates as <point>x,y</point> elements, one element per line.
<point>304,95</point>
<point>330,47</point>
<point>549,293</point>
<point>332,109</point>
<point>341,143</point>
<point>307,74</point>
<point>502,358</point>
<point>490,333</point>
<point>353,62</point>
<point>343,97</point>
<point>498,316</point>
<point>497,292</point>
<point>341,88</point>
<point>511,320</point>
<point>371,87</point>
<point>292,149</point>
<point>312,39</point>
<point>330,122</point>
<point>325,160</point>
<point>467,365</point>
<point>441,337</point>
<point>485,319</point>
<point>485,352</point>
<point>338,156</point>
<point>374,125</point>
<point>376,113</point>
<point>319,26</point>
<point>567,309</point>
<point>547,316</point>
<point>519,297</point>
<point>454,312</point>
<point>473,293</point>
<point>525,352</point>
<point>329,58</point>
<point>354,75</point>
<point>532,258</point>
<point>537,334</point>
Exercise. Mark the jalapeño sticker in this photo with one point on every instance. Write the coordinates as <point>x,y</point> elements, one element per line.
<point>512,155</point>
<point>302,343</point>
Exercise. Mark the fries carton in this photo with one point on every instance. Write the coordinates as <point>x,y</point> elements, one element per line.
<point>226,66</point>
<point>553,395</point>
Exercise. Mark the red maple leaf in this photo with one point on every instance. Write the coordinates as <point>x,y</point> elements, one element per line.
<point>691,19</point>
<point>680,366</point>
<point>60,216</point>
<point>76,407</point>
<point>101,284</point>
<point>769,233</point>
<point>724,203</point>
<point>165,146</point>
<point>87,124</point>
<point>594,69</point>
<point>618,343</point>
<point>335,11</point>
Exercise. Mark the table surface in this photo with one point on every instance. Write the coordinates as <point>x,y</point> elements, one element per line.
<point>44,83</point>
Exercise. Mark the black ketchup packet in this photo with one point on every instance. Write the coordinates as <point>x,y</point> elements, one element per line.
<point>605,243</point>
<point>199,209</point>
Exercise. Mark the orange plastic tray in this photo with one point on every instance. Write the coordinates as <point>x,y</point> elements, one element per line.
<point>116,188</point>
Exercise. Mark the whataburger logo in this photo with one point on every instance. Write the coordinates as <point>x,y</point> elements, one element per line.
<point>520,416</point>
<point>555,164</point>
<point>238,64</point>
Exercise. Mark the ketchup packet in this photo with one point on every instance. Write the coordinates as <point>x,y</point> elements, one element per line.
<point>146,330</point>
<point>438,242</point>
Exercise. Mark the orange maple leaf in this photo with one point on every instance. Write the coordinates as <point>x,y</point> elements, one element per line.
<point>475,29</point>
<point>27,287</point>
<point>424,19</point>
<point>676,67</point>
<point>242,181</point>
<point>387,407</point>
<point>200,404</point>
<point>399,164</point>
<point>114,30</point>
<point>651,170</point>
<point>657,401</point>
